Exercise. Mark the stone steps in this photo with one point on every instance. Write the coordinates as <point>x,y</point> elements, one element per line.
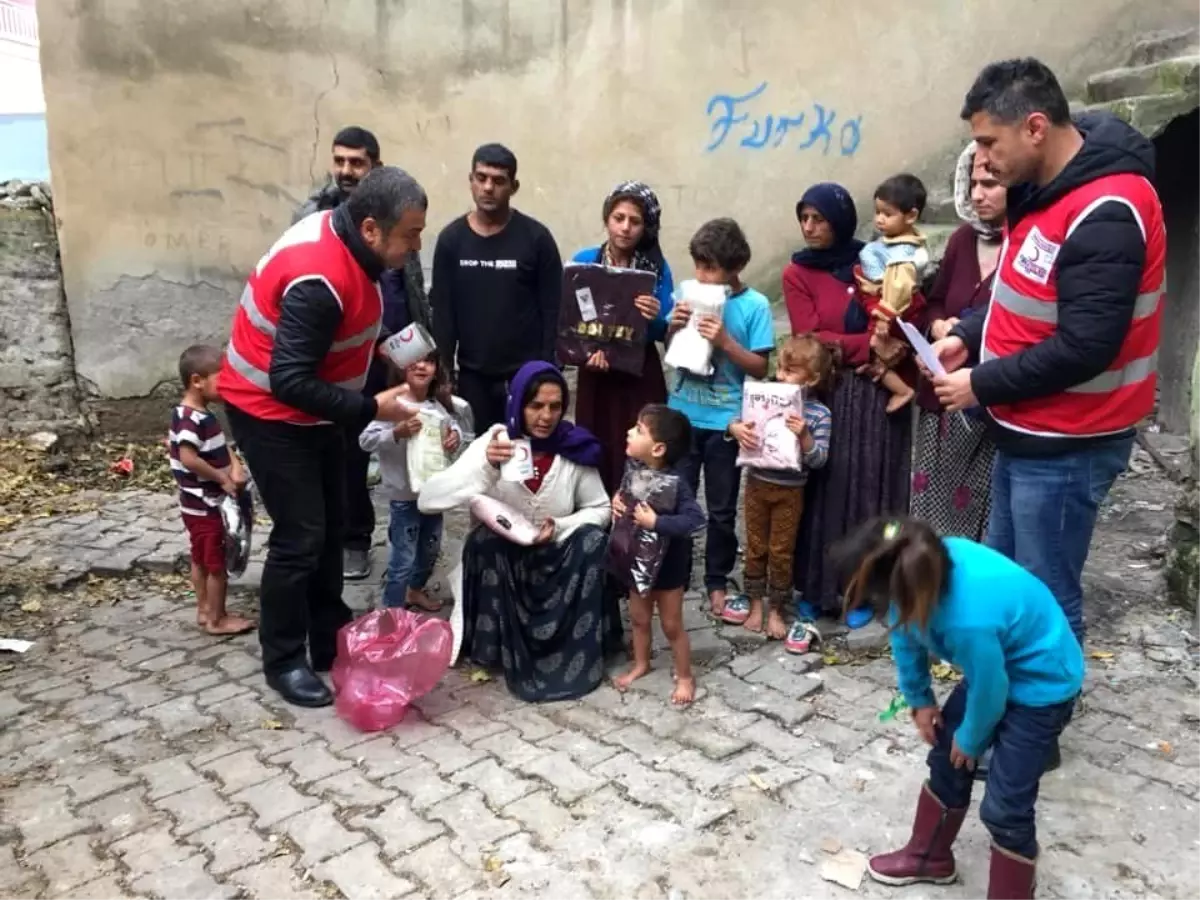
<point>1157,46</point>
<point>1152,113</point>
<point>1169,76</point>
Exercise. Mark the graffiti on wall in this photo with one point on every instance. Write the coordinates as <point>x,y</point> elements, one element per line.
<point>734,122</point>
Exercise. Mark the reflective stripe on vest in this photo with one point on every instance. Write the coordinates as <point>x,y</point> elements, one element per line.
<point>1046,311</point>
<point>262,380</point>
<point>263,324</point>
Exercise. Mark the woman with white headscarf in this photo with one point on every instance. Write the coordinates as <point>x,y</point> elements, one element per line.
<point>952,459</point>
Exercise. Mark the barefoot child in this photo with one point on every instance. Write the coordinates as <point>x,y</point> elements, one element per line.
<point>660,440</point>
<point>415,537</point>
<point>743,339</point>
<point>1022,669</point>
<point>890,270</point>
<point>206,471</point>
<point>774,499</point>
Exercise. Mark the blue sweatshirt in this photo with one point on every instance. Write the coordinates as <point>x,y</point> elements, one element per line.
<point>664,290</point>
<point>1004,629</point>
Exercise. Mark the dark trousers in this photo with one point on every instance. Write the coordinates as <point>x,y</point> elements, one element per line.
<point>299,471</point>
<point>716,458</point>
<point>1020,746</point>
<point>487,396</point>
<point>358,511</point>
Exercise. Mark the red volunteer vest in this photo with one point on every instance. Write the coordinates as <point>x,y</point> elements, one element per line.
<point>310,249</point>
<point>1024,312</point>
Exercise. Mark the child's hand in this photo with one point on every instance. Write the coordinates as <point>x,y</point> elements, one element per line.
<point>874,370</point>
<point>450,440</point>
<point>680,315</point>
<point>882,326</point>
<point>644,516</point>
<point>647,305</point>
<point>796,425</point>
<point>598,361</point>
<point>407,428</point>
<point>743,433</point>
<point>225,480</point>
<point>712,329</point>
<point>618,505</point>
<point>941,327</point>
<point>239,475</point>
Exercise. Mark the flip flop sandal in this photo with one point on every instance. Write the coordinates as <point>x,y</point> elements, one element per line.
<point>801,637</point>
<point>737,609</point>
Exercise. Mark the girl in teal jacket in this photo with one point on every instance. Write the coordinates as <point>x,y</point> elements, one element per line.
<point>961,602</point>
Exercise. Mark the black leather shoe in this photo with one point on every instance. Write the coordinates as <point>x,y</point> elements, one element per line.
<point>301,687</point>
<point>322,666</point>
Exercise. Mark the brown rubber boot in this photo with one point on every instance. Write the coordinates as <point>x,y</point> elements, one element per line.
<point>1012,877</point>
<point>927,856</point>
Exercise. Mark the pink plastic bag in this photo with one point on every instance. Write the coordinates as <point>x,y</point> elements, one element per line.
<point>385,660</point>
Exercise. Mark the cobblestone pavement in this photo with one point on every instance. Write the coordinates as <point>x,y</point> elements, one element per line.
<point>140,758</point>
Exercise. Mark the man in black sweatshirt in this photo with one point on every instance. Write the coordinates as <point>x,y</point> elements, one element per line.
<point>497,283</point>
<point>1066,356</point>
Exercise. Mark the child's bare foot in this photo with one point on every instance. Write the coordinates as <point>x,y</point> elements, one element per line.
<point>776,628</point>
<point>754,622</point>
<point>227,625</point>
<point>717,601</point>
<point>622,682</point>
<point>685,691</point>
<point>899,401</point>
<point>421,600</point>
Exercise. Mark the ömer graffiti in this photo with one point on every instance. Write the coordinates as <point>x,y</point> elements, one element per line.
<point>815,128</point>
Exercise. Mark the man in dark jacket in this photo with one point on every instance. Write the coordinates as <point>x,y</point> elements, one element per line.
<point>1065,359</point>
<point>302,341</point>
<point>355,152</point>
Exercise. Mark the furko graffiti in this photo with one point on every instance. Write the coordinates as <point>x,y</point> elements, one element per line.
<point>734,122</point>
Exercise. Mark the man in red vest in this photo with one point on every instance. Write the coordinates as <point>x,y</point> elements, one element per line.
<point>302,341</point>
<point>1065,366</point>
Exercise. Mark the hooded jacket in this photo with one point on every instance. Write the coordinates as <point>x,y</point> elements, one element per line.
<point>1096,277</point>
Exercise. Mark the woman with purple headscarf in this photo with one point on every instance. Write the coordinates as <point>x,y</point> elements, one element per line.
<point>539,612</point>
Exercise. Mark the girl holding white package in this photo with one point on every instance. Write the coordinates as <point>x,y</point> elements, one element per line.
<point>774,499</point>
<point>405,449</point>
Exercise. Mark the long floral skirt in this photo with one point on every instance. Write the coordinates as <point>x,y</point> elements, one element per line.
<point>540,613</point>
<point>866,475</point>
<point>952,474</point>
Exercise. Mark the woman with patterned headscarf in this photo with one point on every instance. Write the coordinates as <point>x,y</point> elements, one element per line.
<point>607,402</point>
<point>952,460</point>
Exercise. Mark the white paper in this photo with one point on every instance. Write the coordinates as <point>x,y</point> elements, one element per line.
<point>587,304</point>
<point>924,349</point>
<point>13,645</point>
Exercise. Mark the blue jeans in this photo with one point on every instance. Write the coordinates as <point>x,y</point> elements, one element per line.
<point>1044,511</point>
<point>1020,747</point>
<point>415,539</point>
<point>716,457</point>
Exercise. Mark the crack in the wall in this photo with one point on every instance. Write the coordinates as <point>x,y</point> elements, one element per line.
<point>158,276</point>
<point>337,80</point>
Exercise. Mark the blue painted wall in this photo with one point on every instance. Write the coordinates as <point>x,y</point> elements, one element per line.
<point>23,147</point>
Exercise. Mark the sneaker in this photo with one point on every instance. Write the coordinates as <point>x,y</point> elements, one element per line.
<point>737,609</point>
<point>356,564</point>
<point>800,637</point>
<point>859,617</point>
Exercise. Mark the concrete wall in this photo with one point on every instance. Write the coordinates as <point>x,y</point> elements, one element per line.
<point>182,135</point>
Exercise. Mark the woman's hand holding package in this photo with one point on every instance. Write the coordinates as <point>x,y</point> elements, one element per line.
<point>545,533</point>
<point>498,451</point>
<point>598,361</point>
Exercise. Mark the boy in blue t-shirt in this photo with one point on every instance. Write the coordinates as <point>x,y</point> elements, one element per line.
<point>742,343</point>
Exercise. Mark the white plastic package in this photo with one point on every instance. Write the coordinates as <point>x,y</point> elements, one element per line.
<point>688,350</point>
<point>766,405</point>
<point>426,455</point>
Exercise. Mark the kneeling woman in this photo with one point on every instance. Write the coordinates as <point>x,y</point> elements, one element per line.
<point>540,612</point>
<point>1022,670</point>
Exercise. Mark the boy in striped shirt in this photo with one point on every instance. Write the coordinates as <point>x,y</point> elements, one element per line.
<point>206,472</point>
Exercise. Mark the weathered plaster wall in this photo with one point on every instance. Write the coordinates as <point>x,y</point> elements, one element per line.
<point>182,135</point>
<point>37,377</point>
